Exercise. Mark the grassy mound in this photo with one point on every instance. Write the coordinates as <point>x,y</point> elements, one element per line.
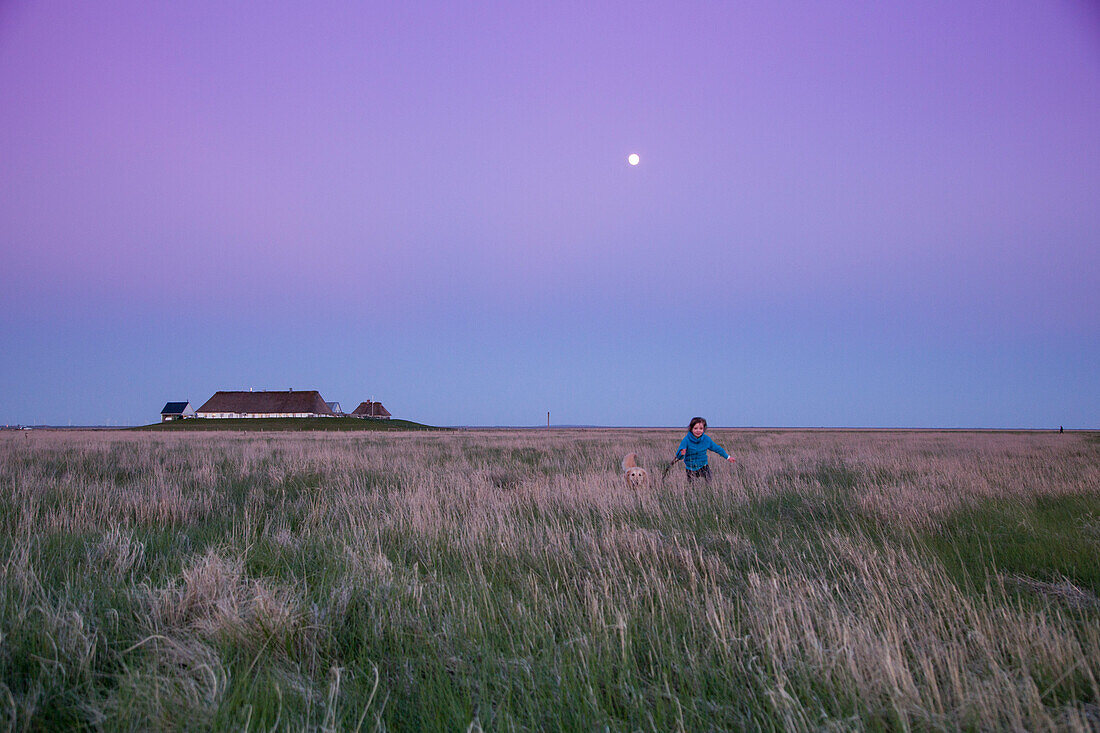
<point>285,424</point>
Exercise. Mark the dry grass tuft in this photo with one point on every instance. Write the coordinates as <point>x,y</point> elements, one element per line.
<point>1063,590</point>
<point>215,600</point>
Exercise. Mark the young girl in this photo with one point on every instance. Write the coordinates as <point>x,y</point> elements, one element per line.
<point>693,449</point>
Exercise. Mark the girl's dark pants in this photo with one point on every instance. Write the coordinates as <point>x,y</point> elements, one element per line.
<point>703,473</point>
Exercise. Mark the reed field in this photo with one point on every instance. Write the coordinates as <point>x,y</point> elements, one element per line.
<point>511,580</point>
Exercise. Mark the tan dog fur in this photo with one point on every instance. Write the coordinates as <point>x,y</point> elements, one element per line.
<point>635,475</point>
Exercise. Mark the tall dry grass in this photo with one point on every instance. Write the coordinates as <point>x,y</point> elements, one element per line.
<point>512,580</point>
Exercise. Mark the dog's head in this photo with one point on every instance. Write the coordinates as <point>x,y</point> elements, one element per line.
<point>636,477</point>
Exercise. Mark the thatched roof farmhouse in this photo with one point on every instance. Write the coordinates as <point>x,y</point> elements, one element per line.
<point>290,403</point>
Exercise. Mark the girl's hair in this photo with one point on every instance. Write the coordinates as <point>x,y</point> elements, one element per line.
<point>695,421</point>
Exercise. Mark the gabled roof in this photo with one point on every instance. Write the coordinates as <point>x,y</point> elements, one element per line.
<point>371,409</point>
<point>175,408</point>
<point>291,401</point>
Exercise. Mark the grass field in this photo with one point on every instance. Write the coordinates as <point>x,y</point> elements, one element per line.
<point>509,580</point>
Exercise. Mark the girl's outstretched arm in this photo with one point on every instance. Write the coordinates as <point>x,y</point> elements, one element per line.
<point>720,450</point>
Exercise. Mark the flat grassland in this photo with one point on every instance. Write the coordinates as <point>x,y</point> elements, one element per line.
<point>510,580</point>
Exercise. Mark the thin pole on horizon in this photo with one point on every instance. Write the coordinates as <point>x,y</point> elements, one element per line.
<point>547,419</point>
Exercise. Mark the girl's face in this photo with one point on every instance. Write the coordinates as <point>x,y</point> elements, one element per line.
<point>697,429</point>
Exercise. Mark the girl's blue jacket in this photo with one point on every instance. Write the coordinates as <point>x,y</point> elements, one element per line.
<point>696,456</point>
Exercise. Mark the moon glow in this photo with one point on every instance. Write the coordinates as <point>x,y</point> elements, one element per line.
<point>633,159</point>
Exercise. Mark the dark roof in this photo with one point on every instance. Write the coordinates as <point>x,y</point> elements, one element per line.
<point>293,401</point>
<point>174,408</point>
<point>371,409</point>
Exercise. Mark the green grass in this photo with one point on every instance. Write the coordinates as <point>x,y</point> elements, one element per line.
<point>1046,538</point>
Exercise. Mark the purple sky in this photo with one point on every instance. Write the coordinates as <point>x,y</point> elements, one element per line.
<point>857,214</point>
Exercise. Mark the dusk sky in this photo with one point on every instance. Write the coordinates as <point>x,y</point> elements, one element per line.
<point>845,213</point>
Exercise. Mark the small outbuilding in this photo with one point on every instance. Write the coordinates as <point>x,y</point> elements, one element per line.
<point>176,411</point>
<point>371,410</point>
<point>335,407</point>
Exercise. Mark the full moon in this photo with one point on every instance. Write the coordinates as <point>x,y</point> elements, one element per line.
<point>633,159</point>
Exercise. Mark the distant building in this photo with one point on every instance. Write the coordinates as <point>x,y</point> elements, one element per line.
<point>291,403</point>
<point>371,410</point>
<point>176,411</point>
<point>335,407</point>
